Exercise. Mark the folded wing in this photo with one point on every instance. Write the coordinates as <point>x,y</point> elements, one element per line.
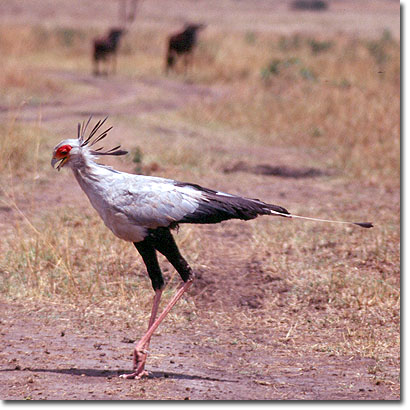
<point>154,202</point>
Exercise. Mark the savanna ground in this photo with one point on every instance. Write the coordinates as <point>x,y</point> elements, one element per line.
<point>300,109</point>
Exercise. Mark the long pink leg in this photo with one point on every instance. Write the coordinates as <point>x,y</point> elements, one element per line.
<point>155,306</point>
<point>140,353</point>
<point>142,356</point>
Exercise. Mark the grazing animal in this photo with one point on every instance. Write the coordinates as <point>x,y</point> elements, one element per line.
<point>143,210</point>
<point>182,44</point>
<point>105,49</point>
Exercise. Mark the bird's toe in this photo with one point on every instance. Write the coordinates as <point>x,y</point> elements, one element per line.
<point>135,375</point>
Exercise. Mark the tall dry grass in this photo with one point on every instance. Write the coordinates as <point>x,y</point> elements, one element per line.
<point>19,149</point>
<point>345,282</point>
<point>336,98</point>
<point>339,96</point>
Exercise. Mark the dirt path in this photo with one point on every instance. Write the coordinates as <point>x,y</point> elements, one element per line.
<point>52,353</point>
<point>111,96</point>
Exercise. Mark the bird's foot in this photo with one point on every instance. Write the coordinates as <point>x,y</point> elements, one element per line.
<point>140,357</point>
<point>136,375</point>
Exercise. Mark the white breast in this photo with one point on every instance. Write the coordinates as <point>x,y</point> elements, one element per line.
<point>131,204</point>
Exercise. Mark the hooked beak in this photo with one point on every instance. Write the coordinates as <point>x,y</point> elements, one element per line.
<point>60,161</point>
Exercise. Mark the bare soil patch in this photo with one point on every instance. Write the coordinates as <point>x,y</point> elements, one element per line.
<point>54,353</point>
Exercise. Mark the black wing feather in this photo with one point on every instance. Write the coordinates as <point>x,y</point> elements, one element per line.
<point>215,207</point>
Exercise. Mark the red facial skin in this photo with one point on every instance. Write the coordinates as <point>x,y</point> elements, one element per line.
<point>63,151</point>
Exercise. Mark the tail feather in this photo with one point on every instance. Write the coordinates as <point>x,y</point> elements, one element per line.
<point>215,207</point>
<point>308,218</point>
<point>279,210</point>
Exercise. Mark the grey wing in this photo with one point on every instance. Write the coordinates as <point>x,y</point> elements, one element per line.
<point>152,202</point>
<point>156,203</point>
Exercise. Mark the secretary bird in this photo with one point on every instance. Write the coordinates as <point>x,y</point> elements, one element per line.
<point>143,210</point>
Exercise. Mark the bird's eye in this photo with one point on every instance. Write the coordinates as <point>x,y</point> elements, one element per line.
<point>64,150</point>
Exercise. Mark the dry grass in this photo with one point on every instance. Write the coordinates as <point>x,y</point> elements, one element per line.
<point>68,258</point>
<point>341,101</point>
<point>328,94</point>
<point>336,284</point>
<point>25,50</point>
<point>336,98</point>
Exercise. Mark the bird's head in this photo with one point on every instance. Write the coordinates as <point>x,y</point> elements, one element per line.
<point>64,151</point>
<point>67,151</point>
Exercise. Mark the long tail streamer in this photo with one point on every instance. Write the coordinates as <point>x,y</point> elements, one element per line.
<point>362,224</point>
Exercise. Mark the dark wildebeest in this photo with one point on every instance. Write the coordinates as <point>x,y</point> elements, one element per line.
<point>106,48</point>
<point>182,44</point>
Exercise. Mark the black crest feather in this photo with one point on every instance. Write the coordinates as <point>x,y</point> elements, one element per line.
<point>92,139</point>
